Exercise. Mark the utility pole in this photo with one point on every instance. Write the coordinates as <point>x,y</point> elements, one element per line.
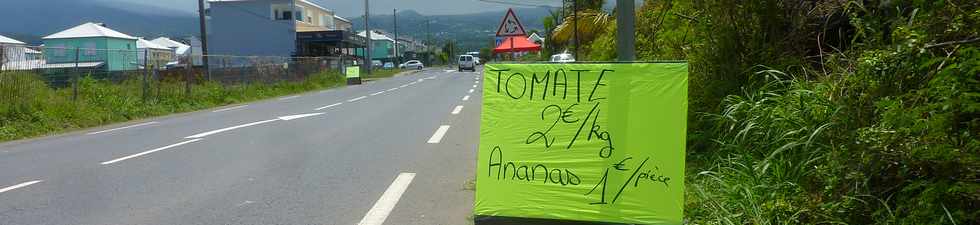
<point>428,45</point>
<point>204,37</point>
<point>625,31</point>
<point>394,16</point>
<point>367,31</point>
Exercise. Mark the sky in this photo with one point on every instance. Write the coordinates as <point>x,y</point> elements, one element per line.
<point>355,8</point>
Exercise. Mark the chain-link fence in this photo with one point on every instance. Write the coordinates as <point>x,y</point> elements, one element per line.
<point>31,72</point>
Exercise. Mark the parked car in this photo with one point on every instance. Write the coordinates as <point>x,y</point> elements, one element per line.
<point>562,58</point>
<point>411,64</point>
<point>376,64</point>
<point>389,65</point>
<point>466,62</point>
<point>477,60</point>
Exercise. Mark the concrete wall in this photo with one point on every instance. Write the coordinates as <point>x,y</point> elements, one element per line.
<point>248,28</point>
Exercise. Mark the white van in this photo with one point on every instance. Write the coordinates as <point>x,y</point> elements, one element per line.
<point>562,58</point>
<point>467,62</point>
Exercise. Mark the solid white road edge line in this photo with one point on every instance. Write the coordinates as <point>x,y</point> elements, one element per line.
<point>230,108</point>
<point>328,106</point>
<point>403,85</point>
<point>466,98</point>
<point>25,184</point>
<point>437,136</point>
<point>120,128</point>
<point>378,93</point>
<point>289,97</point>
<point>148,152</point>
<point>388,200</point>
<point>355,99</point>
<point>471,90</point>
<point>457,109</point>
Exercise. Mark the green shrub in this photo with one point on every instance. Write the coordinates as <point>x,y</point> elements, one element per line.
<point>32,108</point>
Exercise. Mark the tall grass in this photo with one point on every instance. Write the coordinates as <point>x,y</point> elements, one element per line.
<point>32,108</point>
<point>769,145</point>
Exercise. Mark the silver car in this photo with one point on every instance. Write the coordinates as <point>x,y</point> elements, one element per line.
<point>411,64</point>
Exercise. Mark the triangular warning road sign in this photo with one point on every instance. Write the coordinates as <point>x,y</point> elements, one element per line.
<point>510,26</point>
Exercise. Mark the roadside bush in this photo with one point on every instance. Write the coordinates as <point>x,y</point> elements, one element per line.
<point>865,112</point>
<point>32,108</point>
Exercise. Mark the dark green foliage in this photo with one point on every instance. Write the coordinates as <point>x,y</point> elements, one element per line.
<point>813,112</point>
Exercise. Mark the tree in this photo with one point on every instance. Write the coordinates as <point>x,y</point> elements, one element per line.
<point>589,18</point>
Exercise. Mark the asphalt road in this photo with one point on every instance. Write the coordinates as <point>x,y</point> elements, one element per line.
<point>362,154</point>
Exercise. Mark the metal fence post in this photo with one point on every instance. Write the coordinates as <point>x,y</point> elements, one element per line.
<point>187,76</point>
<point>156,77</point>
<point>146,67</point>
<point>74,91</point>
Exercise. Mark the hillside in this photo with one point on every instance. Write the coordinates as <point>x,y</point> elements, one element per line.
<point>472,31</point>
<point>34,20</point>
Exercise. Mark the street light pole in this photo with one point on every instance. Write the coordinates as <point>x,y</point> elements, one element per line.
<point>367,30</point>
<point>625,30</point>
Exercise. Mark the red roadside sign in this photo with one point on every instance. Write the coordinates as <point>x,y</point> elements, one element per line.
<point>510,26</point>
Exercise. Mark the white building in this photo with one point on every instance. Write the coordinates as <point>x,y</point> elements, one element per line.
<point>14,53</point>
<point>158,55</point>
<point>180,50</point>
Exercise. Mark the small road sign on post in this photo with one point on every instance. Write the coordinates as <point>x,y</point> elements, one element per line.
<point>510,26</point>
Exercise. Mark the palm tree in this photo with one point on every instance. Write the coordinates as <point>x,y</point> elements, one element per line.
<point>592,20</point>
<point>590,23</point>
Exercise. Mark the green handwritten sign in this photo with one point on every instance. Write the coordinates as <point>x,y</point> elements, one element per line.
<point>587,142</point>
<point>353,72</point>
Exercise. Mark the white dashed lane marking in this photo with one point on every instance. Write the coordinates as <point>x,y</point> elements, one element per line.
<point>126,127</point>
<point>328,106</point>
<point>355,99</point>
<point>25,184</point>
<point>466,98</point>
<point>148,152</point>
<point>437,136</point>
<point>388,200</point>
<point>291,117</point>
<point>457,109</point>
<point>230,108</point>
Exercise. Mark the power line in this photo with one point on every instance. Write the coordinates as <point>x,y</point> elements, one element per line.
<point>530,3</point>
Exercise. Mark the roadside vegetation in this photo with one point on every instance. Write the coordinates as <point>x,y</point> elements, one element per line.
<point>818,112</point>
<point>33,108</point>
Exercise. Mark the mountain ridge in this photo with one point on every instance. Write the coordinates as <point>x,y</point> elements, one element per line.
<point>34,20</point>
